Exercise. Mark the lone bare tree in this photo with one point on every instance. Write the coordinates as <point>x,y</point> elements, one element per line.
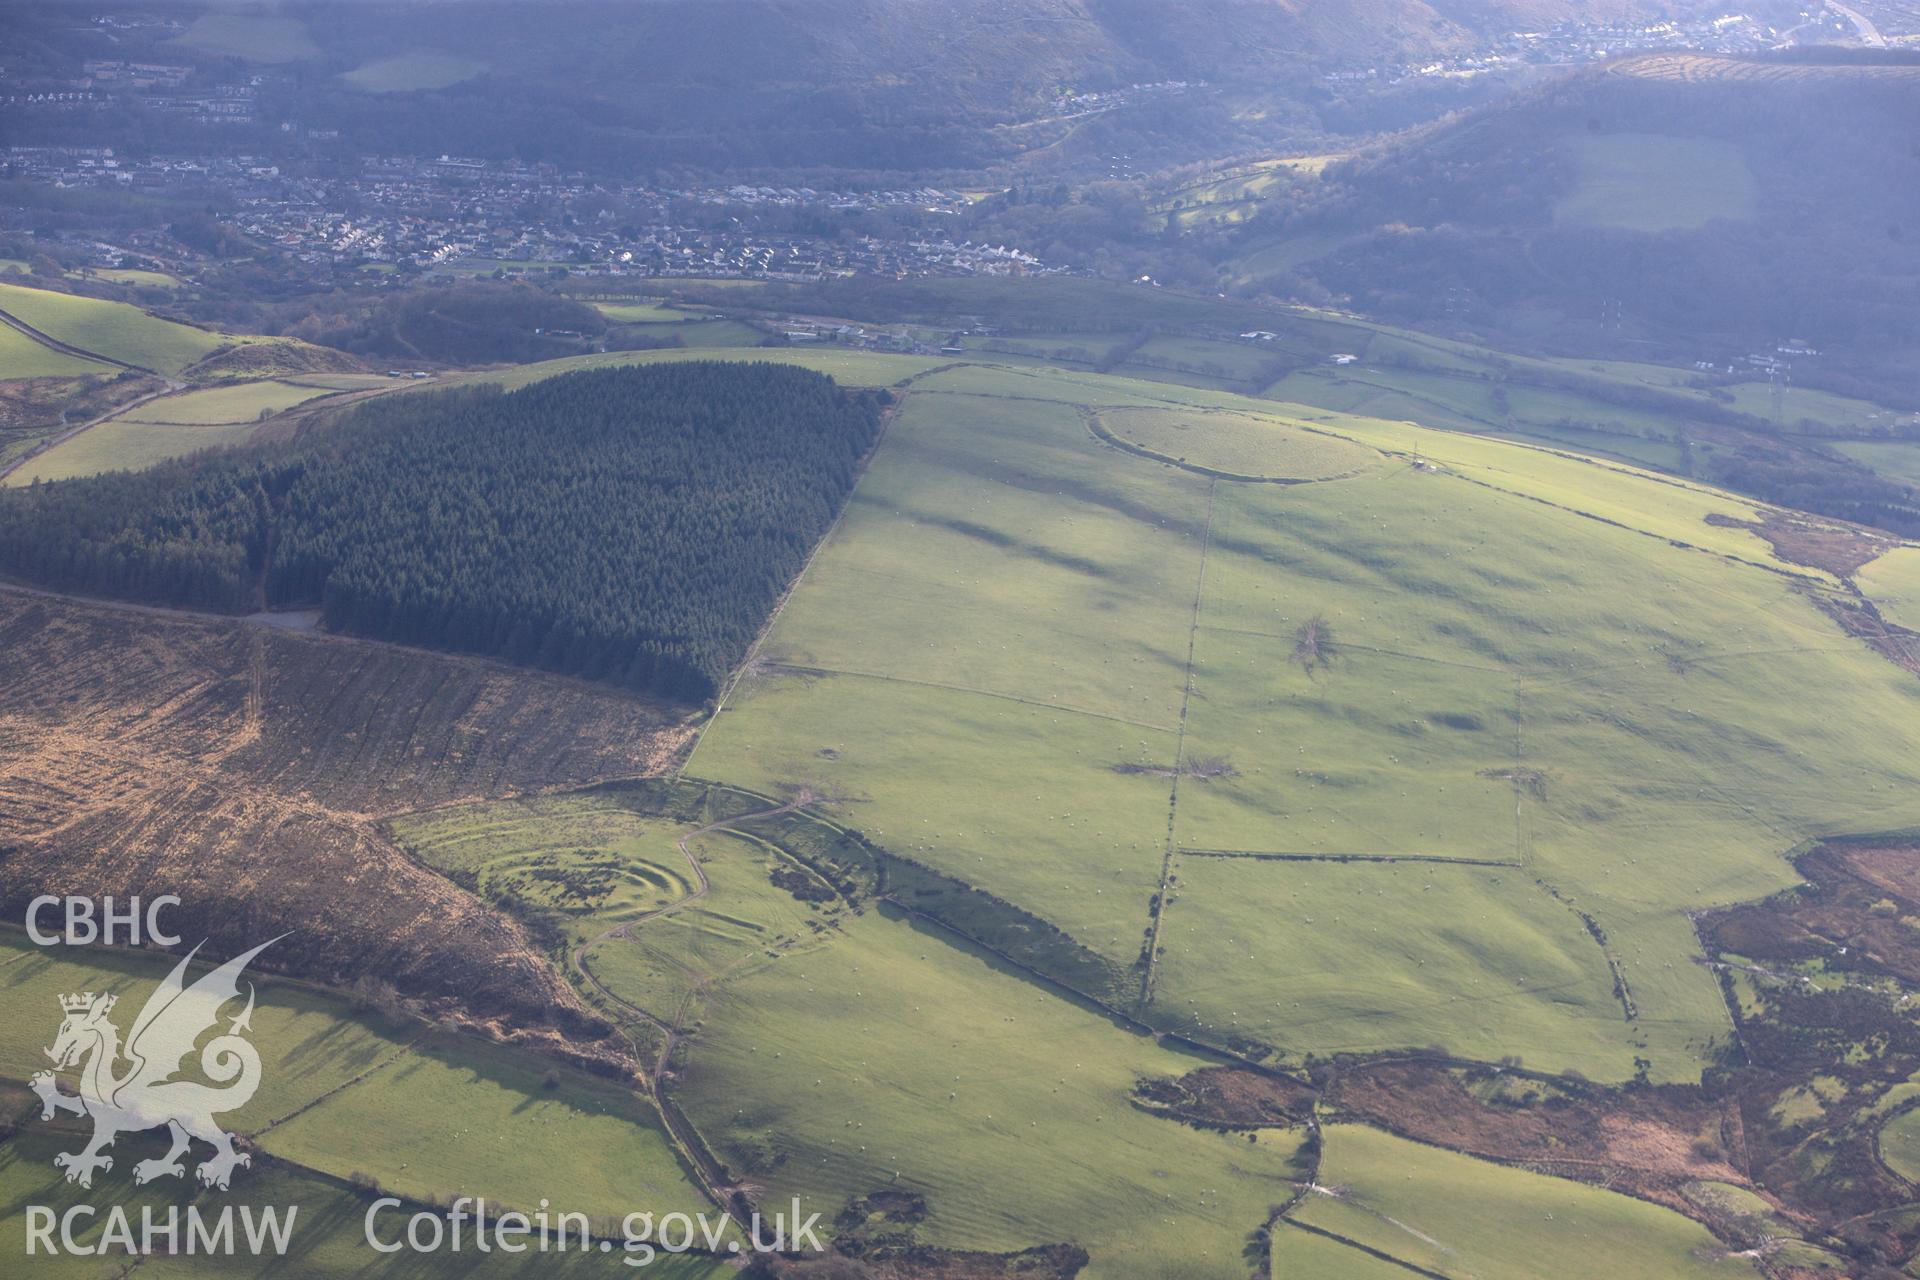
<point>1313,643</point>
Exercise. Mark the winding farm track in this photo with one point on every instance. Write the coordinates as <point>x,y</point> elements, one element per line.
<point>693,1148</point>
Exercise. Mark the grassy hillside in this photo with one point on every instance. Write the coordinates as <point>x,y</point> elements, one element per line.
<point>170,426</point>
<point>836,1054</point>
<point>867,85</point>
<point>22,357</point>
<point>1893,583</point>
<point>1433,1210</point>
<point>1708,206</point>
<point>1429,730</point>
<point>237,403</point>
<point>1527,663</point>
<point>116,330</point>
<point>125,444</point>
<point>350,1094</point>
<point>1656,182</point>
<point>1288,729</point>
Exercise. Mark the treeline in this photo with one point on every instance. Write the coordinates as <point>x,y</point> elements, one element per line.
<point>628,525</point>
<point>1809,480</point>
<point>477,322</point>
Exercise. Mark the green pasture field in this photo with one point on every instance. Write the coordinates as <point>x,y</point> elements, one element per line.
<point>135,276</point>
<point>1239,444</point>
<point>1654,455</point>
<point>832,1054</point>
<point>1896,460</point>
<point>1363,957</point>
<point>253,37</point>
<point>1755,1213</point>
<point>240,402</point>
<point>1798,404</point>
<point>341,381</point>
<point>311,1042</point>
<point>350,1093</point>
<point>461,1117</point>
<point>1295,1252</point>
<point>581,862</point>
<point>327,1240</point>
<point>1020,800</point>
<point>1465,402</point>
<point>982,710</point>
<point>881,1056</point>
<point>121,445</point>
<point>1900,1145</point>
<point>1388,349</point>
<point>22,357</point>
<point>1653,182</point>
<point>1234,362</point>
<point>1054,348</point>
<point>113,329</point>
<point>696,332</point>
<point>1455,1215</point>
<point>639,312</point>
<point>1892,582</point>
<point>404,72</point>
<point>673,965</point>
<point>1359,392</point>
<point>1440,382</point>
<point>1533,658</point>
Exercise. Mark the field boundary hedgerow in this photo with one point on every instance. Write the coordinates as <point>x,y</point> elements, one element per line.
<point>1158,907</point>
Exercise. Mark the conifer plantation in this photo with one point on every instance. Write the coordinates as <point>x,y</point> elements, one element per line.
<point>630,525</point>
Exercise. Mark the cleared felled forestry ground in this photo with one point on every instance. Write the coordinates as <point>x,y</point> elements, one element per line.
<point>242,767</point>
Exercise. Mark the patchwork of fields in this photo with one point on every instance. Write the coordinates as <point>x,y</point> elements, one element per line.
<point>172,426</point>
<point>1118,728</point>
<point>1081,681</point>
<point>1435,751</point>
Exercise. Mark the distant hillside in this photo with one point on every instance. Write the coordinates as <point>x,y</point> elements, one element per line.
<point>861,84</point>
<point>1709,205</point>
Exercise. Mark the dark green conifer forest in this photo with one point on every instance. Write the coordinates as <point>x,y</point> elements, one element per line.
<point>630,525</point>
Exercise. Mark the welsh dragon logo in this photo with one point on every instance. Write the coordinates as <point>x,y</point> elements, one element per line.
<point>145,1094</point>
